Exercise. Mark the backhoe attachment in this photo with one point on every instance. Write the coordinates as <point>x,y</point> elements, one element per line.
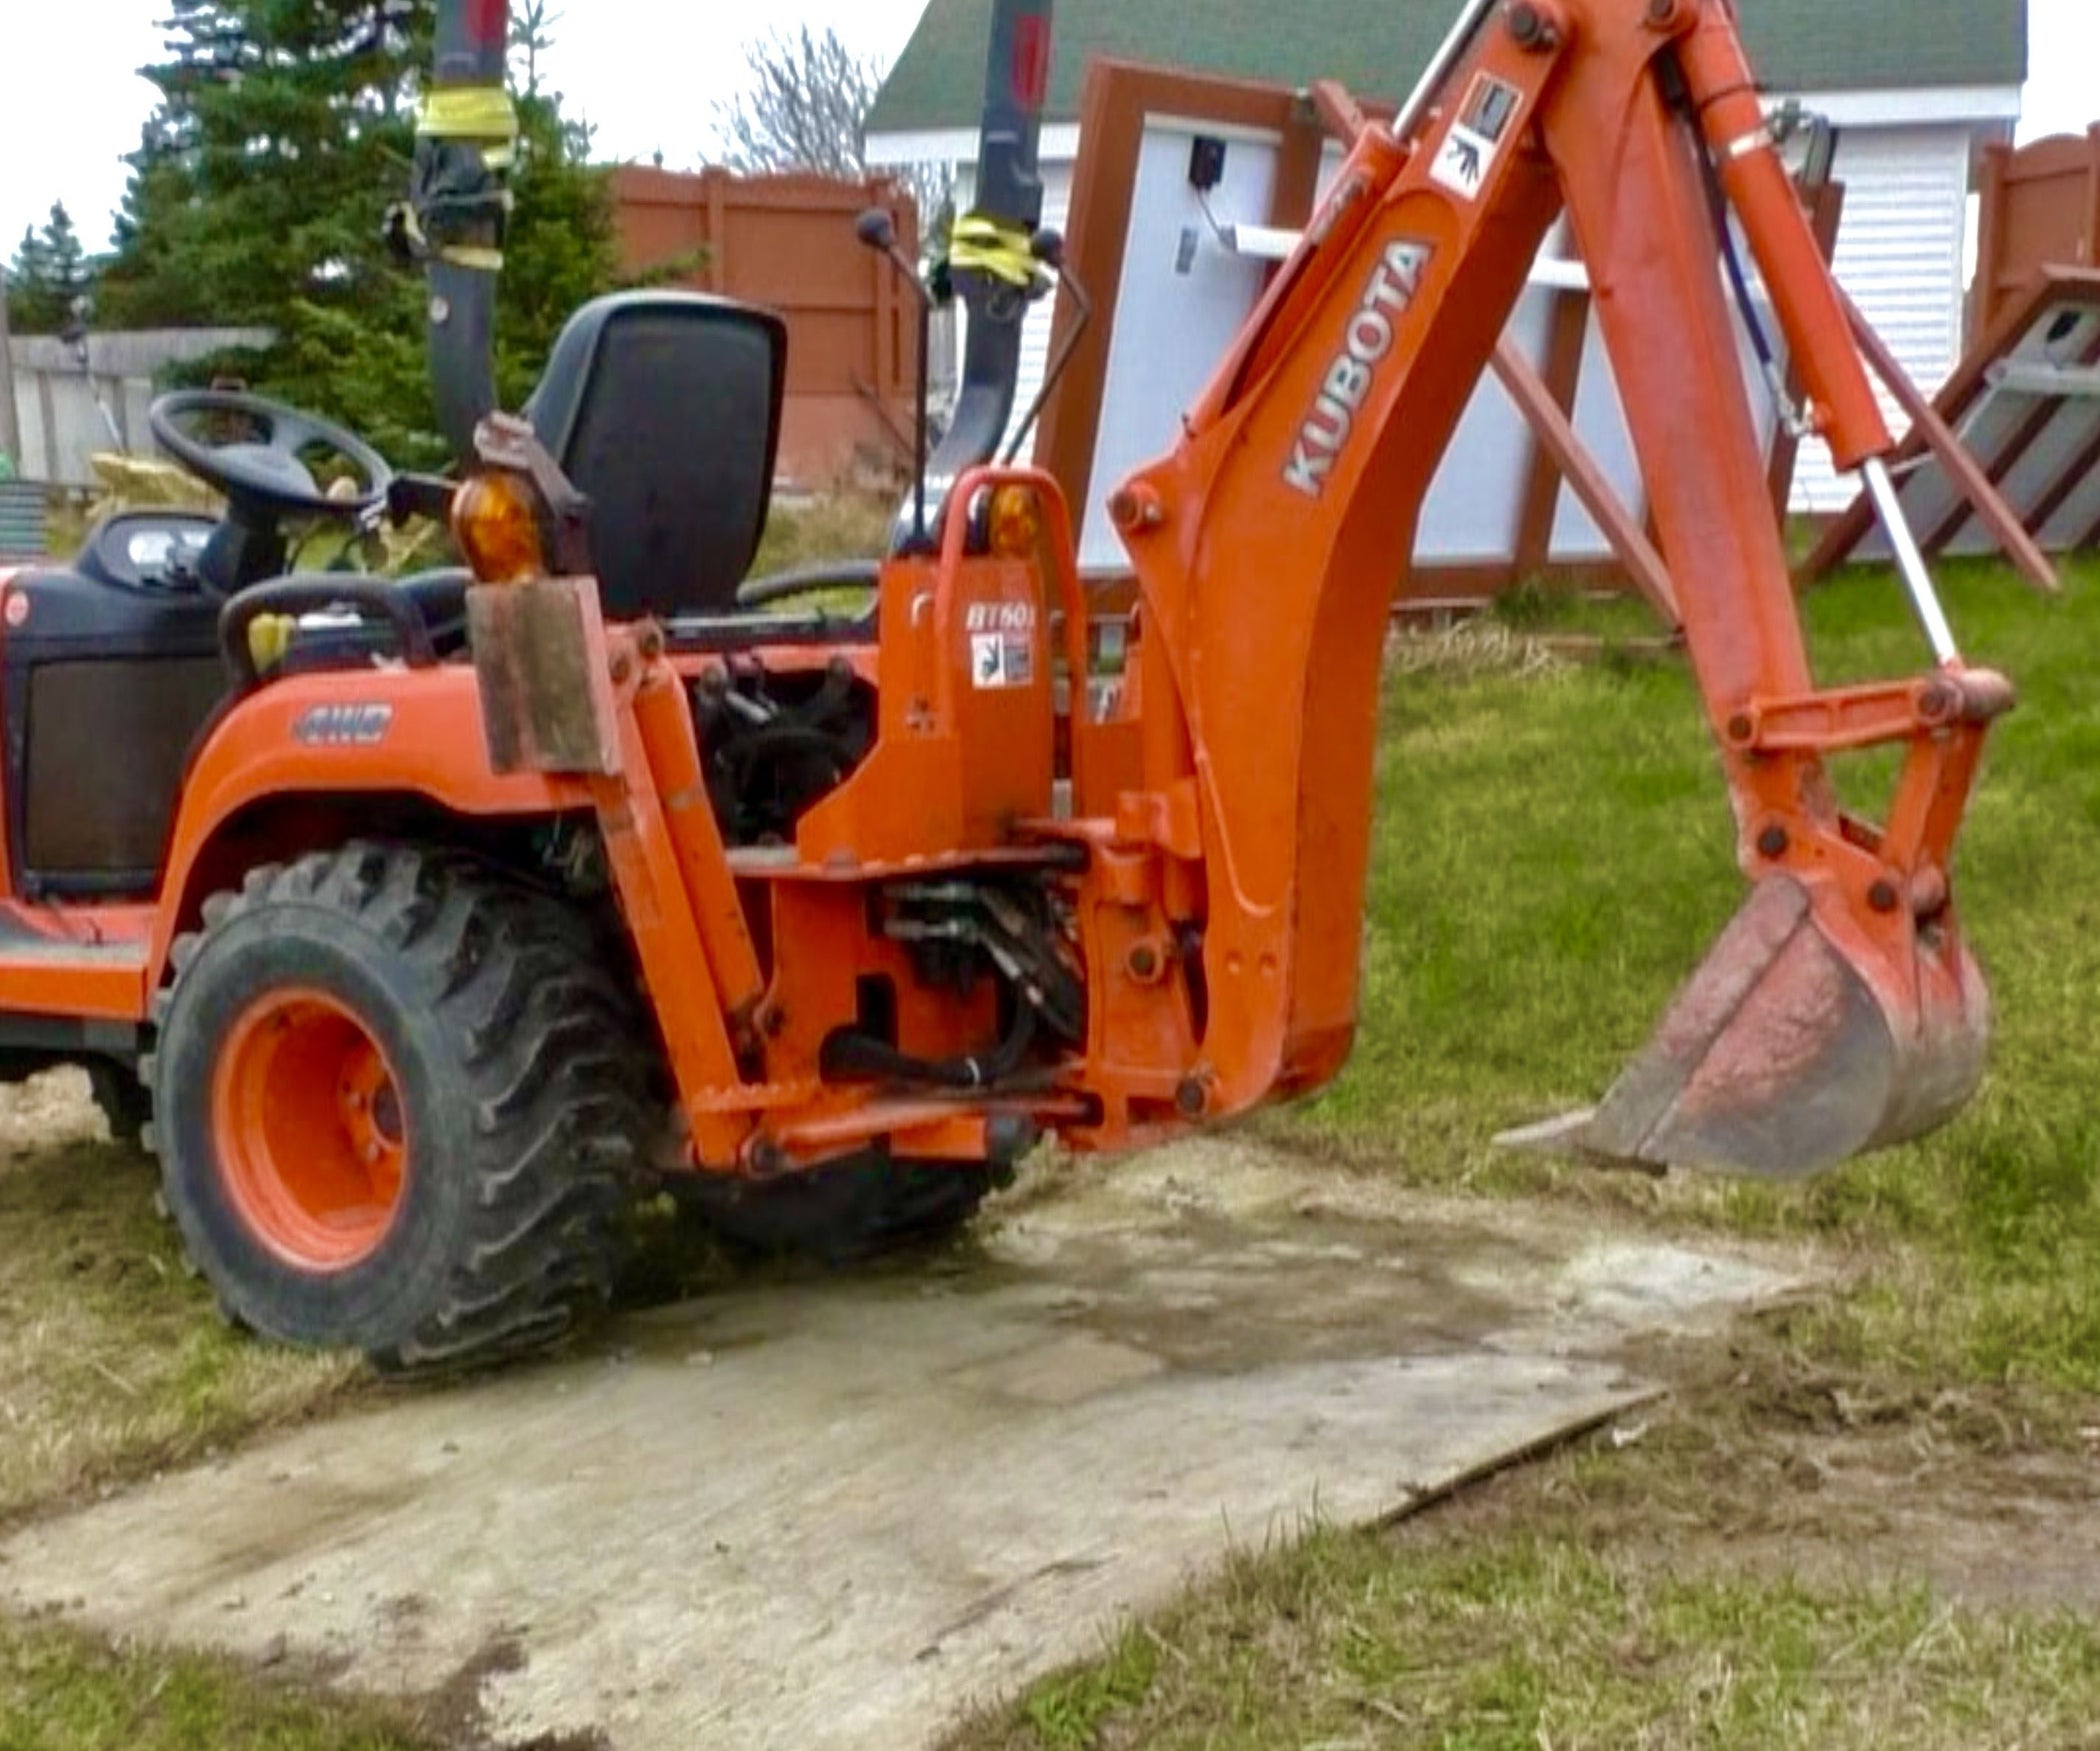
<point>1840,1012</point>
<point>1789,1052</point>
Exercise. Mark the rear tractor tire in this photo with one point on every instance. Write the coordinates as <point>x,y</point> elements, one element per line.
<point>852,1213</point>
<point>397,1101</point>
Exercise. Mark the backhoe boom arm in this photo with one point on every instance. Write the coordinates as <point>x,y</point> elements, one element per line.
<point>1843,1011</point>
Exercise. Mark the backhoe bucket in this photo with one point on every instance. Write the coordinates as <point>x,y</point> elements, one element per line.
<point>1791,1051</point>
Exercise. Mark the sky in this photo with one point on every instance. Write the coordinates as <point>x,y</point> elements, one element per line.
<point>646,72</point>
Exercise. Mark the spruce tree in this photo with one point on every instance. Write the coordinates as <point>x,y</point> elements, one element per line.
<point>285,129</point>
<point>49,275</point>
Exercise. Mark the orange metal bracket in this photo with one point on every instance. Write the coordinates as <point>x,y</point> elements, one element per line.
<point>664,922</point>
<point>1849,719</point>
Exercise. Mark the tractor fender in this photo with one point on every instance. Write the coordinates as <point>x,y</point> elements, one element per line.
<point>349,734</point>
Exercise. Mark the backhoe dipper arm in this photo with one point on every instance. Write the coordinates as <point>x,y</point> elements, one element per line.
<point>1840,1011</point>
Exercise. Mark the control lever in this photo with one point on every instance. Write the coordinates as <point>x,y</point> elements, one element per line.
<point>877,230</point>
<point>1048,248</point>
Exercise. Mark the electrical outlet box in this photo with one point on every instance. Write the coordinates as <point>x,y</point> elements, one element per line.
<point>1206,163</point>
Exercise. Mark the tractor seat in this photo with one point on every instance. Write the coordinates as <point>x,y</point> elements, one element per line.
<point>664,409</point>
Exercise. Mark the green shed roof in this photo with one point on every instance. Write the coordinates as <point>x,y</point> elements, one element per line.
<point>1377,47</point>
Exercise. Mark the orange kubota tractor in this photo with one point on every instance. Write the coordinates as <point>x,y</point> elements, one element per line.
<point>433,912</point>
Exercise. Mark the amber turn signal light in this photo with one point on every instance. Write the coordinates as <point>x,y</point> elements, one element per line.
<point>1016,522</point>
<point>496,521</point>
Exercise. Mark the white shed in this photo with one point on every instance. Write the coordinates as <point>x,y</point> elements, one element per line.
<point>1915,86</point>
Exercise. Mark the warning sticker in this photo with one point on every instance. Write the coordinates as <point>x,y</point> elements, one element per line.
<point>1464,162</point>
<point>1470,149</point>
<point>1001,659</point>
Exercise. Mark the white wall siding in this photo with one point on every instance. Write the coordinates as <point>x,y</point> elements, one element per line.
<point>1183,301</point>
<point>1035,338</point>
<point>1899,254</point>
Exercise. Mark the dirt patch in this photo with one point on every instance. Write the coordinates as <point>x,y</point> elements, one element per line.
<point>113,1362</point>
<point>829,1511</point>
<point>1764,1461</point>
<point>455,1715</point>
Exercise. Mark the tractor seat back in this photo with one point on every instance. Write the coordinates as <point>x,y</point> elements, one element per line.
<point>664,408</point>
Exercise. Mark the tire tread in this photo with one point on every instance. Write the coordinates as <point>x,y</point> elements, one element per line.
<point>549,1062</point>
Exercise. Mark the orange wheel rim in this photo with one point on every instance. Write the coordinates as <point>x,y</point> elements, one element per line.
<point>311,1139</point>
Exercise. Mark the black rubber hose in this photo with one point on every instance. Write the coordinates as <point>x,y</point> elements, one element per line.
<point>851,1057</point>
<point>1732,260</point>
<point>825,704</point>
<point>843,574</point>
<point>777,741</point>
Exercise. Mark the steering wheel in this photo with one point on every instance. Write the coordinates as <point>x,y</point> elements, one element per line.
<point>266,475</point>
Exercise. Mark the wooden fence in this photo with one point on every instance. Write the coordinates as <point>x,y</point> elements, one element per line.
<point>2041,208</point>
<point>788,243</point>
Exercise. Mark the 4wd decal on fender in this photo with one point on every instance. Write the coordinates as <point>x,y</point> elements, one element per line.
<point>1372,332</point>
<point>344,726</point>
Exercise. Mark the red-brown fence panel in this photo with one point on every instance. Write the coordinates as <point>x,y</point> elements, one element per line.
<point>788,243</point>
<point>2041,208</point>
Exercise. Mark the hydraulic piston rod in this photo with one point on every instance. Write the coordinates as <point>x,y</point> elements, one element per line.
<point>1910,562</point>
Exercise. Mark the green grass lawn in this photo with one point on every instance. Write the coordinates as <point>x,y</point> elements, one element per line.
<point>63,1692</point>
<point>1520,1640</point>
<point>112,1361</point>
<point>1554,856</point>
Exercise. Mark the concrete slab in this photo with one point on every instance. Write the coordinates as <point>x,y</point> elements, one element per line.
<point>832,1514</point>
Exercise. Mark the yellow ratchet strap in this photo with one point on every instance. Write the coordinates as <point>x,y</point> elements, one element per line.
<point>475,258</point>
<point>461,255</point>
<point>470,112</point>
<point>484,114</point>
<point>982,244</point>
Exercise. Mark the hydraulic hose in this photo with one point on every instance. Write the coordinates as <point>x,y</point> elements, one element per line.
<point>852,1057</point>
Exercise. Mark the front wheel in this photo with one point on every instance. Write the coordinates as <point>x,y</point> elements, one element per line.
<point>396,1100</point>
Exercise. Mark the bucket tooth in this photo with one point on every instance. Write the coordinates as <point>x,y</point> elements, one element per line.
<point>1785,1054</point>
<point>1568,1135</point>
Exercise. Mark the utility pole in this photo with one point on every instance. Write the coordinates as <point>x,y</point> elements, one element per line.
<point>10,427</point>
